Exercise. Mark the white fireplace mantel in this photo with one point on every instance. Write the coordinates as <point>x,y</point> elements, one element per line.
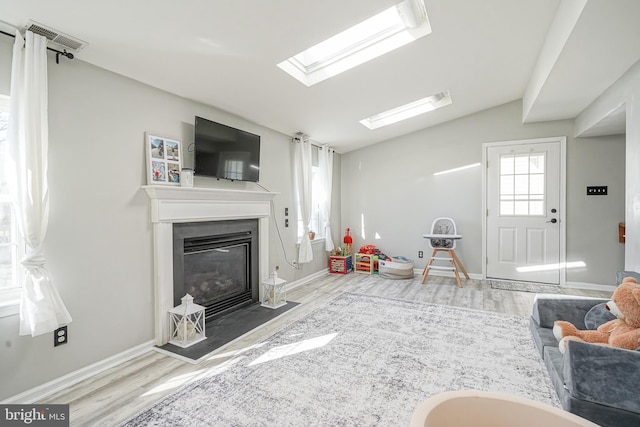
<point>185,204</point>
<point>172,204</point>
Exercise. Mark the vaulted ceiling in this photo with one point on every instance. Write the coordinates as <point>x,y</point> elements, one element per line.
<point>556,55</point>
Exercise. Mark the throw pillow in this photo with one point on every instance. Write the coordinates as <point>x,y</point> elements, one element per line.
<point>597,316</point>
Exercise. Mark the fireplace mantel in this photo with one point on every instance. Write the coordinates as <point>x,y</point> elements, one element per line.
<point>204,193</point>
<point>186,204</point>
<point>172,204</point>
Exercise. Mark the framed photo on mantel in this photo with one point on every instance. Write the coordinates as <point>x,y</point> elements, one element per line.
<point>164,160</point>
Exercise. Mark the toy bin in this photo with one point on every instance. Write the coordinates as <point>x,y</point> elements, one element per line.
<point>396,268</point>
<point>340,264</point>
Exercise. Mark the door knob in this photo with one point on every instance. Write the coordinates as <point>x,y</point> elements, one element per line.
<point>553,220</point>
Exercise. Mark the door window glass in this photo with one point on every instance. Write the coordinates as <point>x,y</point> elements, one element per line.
<point>522,184</point>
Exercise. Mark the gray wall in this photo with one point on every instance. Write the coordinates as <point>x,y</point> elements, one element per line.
<point>624,92</point>
<point>99,244</point>
<point>389,190</point>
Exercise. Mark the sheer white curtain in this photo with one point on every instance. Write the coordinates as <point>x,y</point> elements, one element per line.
<point>304,180</point>
<point>325,162</point>
<point>41,308</point>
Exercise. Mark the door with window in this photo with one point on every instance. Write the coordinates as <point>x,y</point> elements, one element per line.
<point>523,227</point>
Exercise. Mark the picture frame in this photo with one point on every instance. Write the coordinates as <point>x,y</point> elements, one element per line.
<point>164,160</point>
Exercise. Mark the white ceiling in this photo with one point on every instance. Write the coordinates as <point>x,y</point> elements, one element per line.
<point>224,53</point>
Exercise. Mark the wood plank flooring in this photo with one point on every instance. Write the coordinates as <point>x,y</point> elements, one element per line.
<point>119,393</point>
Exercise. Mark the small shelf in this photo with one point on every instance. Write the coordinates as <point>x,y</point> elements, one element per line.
<point>364,263</point>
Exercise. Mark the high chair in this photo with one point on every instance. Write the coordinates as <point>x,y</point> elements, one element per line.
<point>443,238</point>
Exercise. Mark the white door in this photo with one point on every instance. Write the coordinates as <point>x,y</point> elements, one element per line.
<point>523,211</point>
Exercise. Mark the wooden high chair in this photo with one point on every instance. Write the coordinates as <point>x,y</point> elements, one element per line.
<point>443,238</point>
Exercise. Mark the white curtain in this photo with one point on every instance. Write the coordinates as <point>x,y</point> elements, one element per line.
<point>325,162</point>
<point>304,178</point>
<point>41,308</point>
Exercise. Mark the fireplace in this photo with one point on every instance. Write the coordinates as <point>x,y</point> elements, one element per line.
<point>171,206</point>
<point>217,264</point>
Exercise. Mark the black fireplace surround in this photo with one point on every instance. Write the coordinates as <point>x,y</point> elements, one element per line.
<point>216,262</point>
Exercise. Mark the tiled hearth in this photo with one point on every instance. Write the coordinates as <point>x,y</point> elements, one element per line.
<point>170,205</point>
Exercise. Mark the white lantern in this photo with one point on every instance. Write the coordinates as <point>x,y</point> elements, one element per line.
<point>187,323</point>
<point>274,292</point>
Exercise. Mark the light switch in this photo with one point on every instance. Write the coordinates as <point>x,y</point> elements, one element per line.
<point>600,190</point>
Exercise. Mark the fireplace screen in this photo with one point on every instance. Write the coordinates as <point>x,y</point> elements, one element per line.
<point>217,264</point>
<point>213,275</point>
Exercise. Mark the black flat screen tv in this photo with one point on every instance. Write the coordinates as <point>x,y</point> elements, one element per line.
<point>225,152</point>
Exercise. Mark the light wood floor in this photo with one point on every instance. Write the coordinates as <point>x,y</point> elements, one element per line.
<point>120,392</point>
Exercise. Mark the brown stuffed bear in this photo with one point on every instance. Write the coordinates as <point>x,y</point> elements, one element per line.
<point>623,332</point>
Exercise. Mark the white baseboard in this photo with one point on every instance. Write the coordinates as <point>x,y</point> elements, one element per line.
<point>416,272</point>
<point>574,285</point>
<point>307,279</point>
<point>590,286</point>
<point>43,391</point>
<point>419,271</point>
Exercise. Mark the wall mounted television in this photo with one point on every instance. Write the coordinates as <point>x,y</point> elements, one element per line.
<point>225,152</point>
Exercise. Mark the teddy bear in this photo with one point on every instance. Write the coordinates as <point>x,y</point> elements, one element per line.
<point>622,332</point>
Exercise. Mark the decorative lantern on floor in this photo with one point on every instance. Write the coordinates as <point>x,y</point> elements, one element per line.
<point>187,323</point>
<point>274,291</point>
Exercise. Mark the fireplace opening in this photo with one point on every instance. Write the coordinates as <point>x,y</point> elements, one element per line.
<point>217,264</point>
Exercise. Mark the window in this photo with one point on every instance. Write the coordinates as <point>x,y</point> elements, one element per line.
<point>11,246</point>
<point>522,184</point>
<point>318,199</point>
<point>408,111</point>
<point>392,28</point>
<point>233,169</point>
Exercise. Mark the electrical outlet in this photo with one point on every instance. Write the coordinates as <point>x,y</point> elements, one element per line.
<point>286,211</point>
<point>420,254</point>
<point>286,222</point>
<point>60,336</point>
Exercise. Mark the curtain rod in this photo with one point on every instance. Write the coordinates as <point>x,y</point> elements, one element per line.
<point>319,147</point>
<point>66,54</point>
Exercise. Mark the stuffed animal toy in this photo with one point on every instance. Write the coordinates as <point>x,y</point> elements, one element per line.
<point>622,332</point>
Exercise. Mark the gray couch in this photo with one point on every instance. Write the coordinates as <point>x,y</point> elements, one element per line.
<point>601,384</point>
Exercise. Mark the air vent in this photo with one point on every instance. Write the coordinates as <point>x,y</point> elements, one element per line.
<point>62,40</point>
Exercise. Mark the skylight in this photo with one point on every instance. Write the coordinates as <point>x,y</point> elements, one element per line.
<point>407,111</point>
<point>382,33</point>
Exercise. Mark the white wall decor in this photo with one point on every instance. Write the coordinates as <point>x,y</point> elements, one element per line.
<point>164,160</point>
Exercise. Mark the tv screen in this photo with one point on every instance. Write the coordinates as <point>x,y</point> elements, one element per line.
<point>225,152</point>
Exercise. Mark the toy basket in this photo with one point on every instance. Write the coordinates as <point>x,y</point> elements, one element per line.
<point>396,269</point>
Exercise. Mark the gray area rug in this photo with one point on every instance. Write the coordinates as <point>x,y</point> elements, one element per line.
<point>361,361</point>
<point>539,288</point>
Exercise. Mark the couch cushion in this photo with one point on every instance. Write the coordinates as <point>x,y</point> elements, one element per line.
<point>601,374</point>
<point>553,361</point>
<point>601,413</point>
<point>597,316</point>
<point>542,337</point>
<point>605,416</point>
<point>549,308</point>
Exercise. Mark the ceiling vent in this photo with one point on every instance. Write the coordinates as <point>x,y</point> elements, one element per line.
<point>55,37</point>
